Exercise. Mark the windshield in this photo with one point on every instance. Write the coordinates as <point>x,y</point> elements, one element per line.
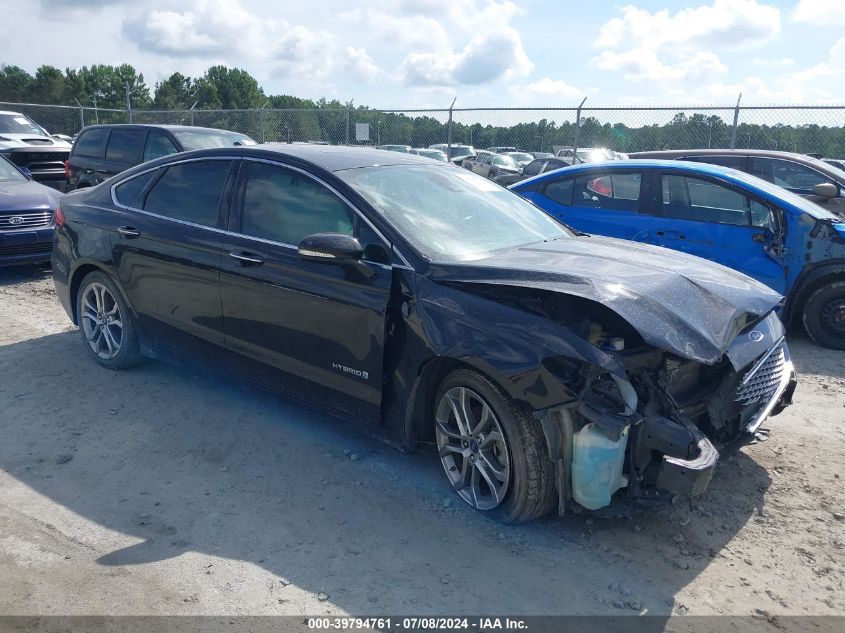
<point>9,173</point>
<point>432,153</point>
<point>206,139</point>
<point>504,161</point>
<point>459,151</point>
<point>451,214</point>
<point>20,124</point>
<point>594,155</point>
<point>521,157</point>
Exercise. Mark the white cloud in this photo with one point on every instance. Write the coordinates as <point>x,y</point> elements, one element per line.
<point>359,64</point>
<point>766,62</point>
<point>549,89</point>
<point>484,59</point>
<point>225,28</point>
<point>644,64</point>
<point>728,23</point>
<point>820,12</point>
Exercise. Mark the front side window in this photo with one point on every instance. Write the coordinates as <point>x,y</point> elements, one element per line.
<point>560,191</point>
<point>787,174</point>
<point>190,192</point>
<point>124,145</point>
<point>698,200</point>
<point>534,167</point>
<point>619,192</point>
<point>285,206</point>
<point>158,145</point>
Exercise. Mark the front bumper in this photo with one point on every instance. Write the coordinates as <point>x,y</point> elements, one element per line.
<point>691,477</point>
<point>25,247</point>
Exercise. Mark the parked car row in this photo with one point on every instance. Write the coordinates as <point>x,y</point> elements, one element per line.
<point>550,368</point>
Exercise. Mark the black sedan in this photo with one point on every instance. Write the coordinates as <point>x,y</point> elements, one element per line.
<point>549,368</point>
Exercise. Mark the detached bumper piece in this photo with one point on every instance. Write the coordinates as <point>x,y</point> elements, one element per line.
<point>689,478</point>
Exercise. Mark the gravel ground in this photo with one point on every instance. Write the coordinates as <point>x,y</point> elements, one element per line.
<point>164,491</point>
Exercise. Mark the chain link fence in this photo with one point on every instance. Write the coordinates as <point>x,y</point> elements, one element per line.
<point>806,129</point>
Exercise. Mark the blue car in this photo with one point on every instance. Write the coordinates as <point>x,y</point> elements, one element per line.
<point>787,242</point>
<point>26,217</point>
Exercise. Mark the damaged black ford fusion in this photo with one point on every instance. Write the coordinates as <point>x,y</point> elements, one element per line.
<point>550,369</point>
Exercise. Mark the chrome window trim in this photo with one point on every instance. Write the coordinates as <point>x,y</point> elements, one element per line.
<point>243,235</point>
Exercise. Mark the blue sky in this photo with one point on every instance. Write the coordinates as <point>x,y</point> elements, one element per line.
<point>422,53</point>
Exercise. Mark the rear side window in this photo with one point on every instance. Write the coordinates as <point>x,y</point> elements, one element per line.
<point>687,198</point>
<point>158,145</point>
<point>190,192</point>
<point>92,143</point>
<point>619,192</point>
<point>124,145</point>
<point>784,173</point>
<point>533,168</point>
<point>285,206</point>
<point>128,193</point>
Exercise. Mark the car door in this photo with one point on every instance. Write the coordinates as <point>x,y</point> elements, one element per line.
<point>599,202</point>
<point>720,222</point>
<point>309,328</point>
<point>799,178</point>
<point>167,253</point>
<point>482,167</point>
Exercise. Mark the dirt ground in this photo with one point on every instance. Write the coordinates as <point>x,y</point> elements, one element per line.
<point>164,491</point>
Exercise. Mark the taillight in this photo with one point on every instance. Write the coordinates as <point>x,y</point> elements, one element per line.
<point>67,170</point>
<point>59,217</point>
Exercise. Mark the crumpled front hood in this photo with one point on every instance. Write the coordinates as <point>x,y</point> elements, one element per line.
<point>677,302</point>
<point>27,196</point>
<point>31,140</point>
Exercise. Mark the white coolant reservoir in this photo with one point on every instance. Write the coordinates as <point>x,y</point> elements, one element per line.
<point>597,462</point>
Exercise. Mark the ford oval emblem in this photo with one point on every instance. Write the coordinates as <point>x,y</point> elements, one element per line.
<point>16,220</point>
<point>755,335</point>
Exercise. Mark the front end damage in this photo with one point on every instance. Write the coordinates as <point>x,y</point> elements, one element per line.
<point>659,435</point>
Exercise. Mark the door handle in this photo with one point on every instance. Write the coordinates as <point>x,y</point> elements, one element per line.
<point>247,259</point>
<point>129,232</point>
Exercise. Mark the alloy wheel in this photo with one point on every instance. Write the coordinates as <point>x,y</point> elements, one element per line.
<point>472,448</point>
<point>101,321</point>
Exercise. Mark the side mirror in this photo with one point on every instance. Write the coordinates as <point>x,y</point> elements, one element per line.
<point>330,247</point>
<point>826,190</point>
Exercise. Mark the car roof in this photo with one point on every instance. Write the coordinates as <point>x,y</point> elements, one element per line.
<point>188,128</point>
<point>721,152</point>
<point>327,157</point>
<point>10,112</point>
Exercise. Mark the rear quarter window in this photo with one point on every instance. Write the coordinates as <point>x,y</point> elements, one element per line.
<point>129,192</point>
<point>91,143</point>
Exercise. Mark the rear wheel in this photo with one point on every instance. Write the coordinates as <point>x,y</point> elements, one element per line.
<point>824,315</point>
<point>105,323</point>
<point>492,449</point>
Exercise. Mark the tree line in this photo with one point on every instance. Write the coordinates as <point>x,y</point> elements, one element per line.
<point>223,88</point>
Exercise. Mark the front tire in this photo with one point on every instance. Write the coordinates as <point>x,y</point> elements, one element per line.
<point>824,315</point>
<point>105,323</point>
<point>492,449</point>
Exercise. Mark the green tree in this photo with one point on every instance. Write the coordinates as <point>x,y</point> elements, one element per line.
<point>177,92</point>
<point>229,88</point>
<point>15,84</point>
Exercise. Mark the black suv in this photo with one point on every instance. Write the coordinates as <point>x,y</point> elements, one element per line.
<point>101,151</point>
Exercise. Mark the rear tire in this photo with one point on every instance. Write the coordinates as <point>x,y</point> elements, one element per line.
<point>824,315</point>
<point>516,463</point>
<point>106,324</point>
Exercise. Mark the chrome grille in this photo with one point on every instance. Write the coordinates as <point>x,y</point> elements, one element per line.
<point>761,382</point>
<point>15,220</point>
